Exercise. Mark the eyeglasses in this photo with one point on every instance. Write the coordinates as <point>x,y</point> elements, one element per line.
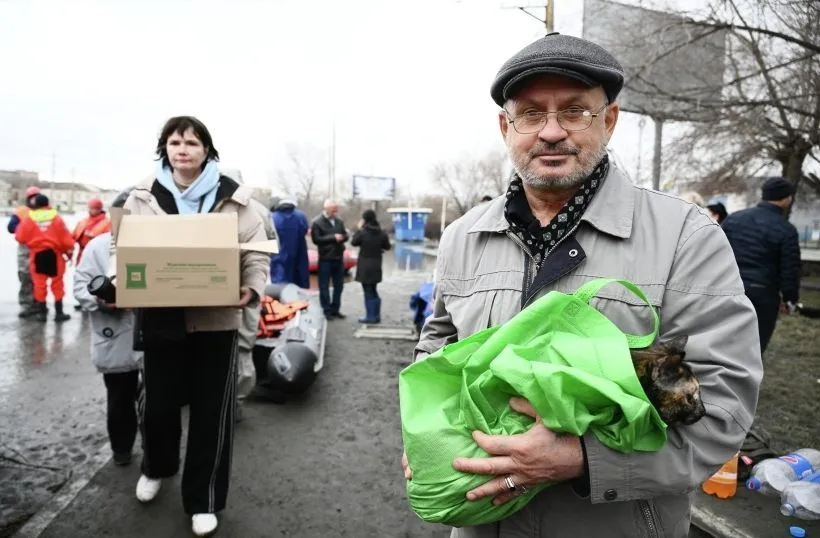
<point>570,119</point>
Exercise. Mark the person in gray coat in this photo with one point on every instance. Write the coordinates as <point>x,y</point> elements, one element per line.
<point>246,373</point>
<point>112,347</point>
<point>246,336</point>
<point>570,215</point>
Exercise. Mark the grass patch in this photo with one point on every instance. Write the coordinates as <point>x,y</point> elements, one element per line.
<point>789,405</point>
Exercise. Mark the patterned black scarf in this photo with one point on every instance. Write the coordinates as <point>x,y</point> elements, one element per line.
<point>540,240</point>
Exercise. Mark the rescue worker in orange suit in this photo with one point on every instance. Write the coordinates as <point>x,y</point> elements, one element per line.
<point>25,297</point>
<point>96,223</point>
<point>50,244</point>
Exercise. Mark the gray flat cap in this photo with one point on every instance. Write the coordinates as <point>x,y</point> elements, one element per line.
<point>562,55</point>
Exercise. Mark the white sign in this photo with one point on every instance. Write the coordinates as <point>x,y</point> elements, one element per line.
<point>374,187</point>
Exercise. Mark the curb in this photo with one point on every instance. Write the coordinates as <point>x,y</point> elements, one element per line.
<point>40,521</point>
<point>715,525</point>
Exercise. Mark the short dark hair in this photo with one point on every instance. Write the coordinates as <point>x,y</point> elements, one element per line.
<point>369,216</point>
<point>718,209</point>
<point>179,125</point>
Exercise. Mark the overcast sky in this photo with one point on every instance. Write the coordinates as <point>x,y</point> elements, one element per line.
<point>406,82</point>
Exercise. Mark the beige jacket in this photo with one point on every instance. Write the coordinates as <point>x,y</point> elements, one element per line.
<point>254,266</point>
<point>683,262</point>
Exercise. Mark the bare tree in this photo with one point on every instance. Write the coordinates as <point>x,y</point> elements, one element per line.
<point>769,111</point>
<point>467,180</point>
<point>305,165</point>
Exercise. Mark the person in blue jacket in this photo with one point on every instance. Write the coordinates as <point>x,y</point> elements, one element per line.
<point>291,263</point>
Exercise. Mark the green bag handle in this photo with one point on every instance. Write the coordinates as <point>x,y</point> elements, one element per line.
<point>591,288</point>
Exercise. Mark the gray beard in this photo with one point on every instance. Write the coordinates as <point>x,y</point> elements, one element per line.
<point>571,181</point>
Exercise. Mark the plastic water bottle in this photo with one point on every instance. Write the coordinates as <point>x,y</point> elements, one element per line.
<point>770,476</point>
<point>801,499</point>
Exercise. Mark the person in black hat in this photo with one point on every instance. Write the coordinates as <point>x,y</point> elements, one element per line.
<point>767,251</point>
<point>569,216</point>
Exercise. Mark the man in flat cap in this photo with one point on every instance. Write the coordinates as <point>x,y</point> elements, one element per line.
<point>767,251</point>
<point>569,216</point>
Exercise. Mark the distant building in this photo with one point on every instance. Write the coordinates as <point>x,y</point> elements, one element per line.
<point>5,193</point>
<point>805,214</point>
<point>17,182</point>
<point>67,197</point>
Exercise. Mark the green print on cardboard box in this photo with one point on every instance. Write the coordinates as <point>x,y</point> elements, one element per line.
<point>135,276</point>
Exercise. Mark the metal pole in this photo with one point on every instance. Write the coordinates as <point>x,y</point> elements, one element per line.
<point>549,20</point>
<point>641,125</point>
<point>53,171</point>
<point>657,157</point>
<point>333,163</point>
<point>443,213</point>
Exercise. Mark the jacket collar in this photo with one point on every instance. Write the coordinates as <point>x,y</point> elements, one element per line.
<point>229,189</point>
<point>611,210</point>
<point>771,207</point>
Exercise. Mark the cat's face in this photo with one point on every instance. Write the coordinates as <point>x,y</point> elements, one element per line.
<point>669,382</point>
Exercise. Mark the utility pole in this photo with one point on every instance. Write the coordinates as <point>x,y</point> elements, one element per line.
<point>71,193</point>
<point>549,19</point>
<point>657,158</point>
<point>332,164</point>
<point>53,169</point>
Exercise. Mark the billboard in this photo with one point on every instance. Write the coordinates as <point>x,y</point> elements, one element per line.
<point>374,187</point>
<point>674,68</point>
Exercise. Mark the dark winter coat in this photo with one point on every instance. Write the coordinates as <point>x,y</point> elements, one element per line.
<point>766,248</point>
<point>372,241</point>
<point>322,232</point>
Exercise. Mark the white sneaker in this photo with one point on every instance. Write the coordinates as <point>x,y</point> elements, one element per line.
<point>147,488</point>
<point>203,524</point>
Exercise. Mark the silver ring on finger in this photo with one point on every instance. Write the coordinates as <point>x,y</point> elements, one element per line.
<point>509,484</point>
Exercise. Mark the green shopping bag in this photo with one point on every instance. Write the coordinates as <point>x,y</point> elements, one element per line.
<point>564,356</point>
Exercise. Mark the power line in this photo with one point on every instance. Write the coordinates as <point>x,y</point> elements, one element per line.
<point>549,14</point>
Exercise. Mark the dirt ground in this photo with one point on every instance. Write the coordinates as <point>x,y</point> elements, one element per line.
<point>788,408</point>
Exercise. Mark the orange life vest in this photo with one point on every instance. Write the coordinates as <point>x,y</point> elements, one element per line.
<point>275,315</point>
<point>89,228</point>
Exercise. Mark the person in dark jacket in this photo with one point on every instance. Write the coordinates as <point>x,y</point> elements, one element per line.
<point>767,252</point>
<point>372,242</point>
<point>329,234</point>
<point>718,212</point>
<point>290,264</point>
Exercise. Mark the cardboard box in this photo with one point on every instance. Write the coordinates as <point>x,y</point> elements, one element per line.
<point>180,260</point>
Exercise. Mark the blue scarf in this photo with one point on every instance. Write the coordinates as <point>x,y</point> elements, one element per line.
<point>199,196</point>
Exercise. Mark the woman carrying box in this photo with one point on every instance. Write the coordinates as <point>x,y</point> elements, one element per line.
<point>191,352</point>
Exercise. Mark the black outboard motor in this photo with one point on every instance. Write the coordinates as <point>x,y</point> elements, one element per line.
<point>288,364</point>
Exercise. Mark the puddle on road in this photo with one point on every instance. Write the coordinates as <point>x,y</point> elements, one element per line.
<point>402,260</point>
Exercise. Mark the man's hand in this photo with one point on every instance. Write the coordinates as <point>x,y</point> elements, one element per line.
<point>339,238</point>
<point>408,474</point>
<point>246,296</point>
<point>536,457</point>
<point>108,308</point>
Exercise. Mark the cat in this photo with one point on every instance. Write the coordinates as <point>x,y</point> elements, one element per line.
<point>669,382</point>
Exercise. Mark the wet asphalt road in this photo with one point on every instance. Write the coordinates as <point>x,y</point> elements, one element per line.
<point>51,400</point>
<point>324,466</point>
